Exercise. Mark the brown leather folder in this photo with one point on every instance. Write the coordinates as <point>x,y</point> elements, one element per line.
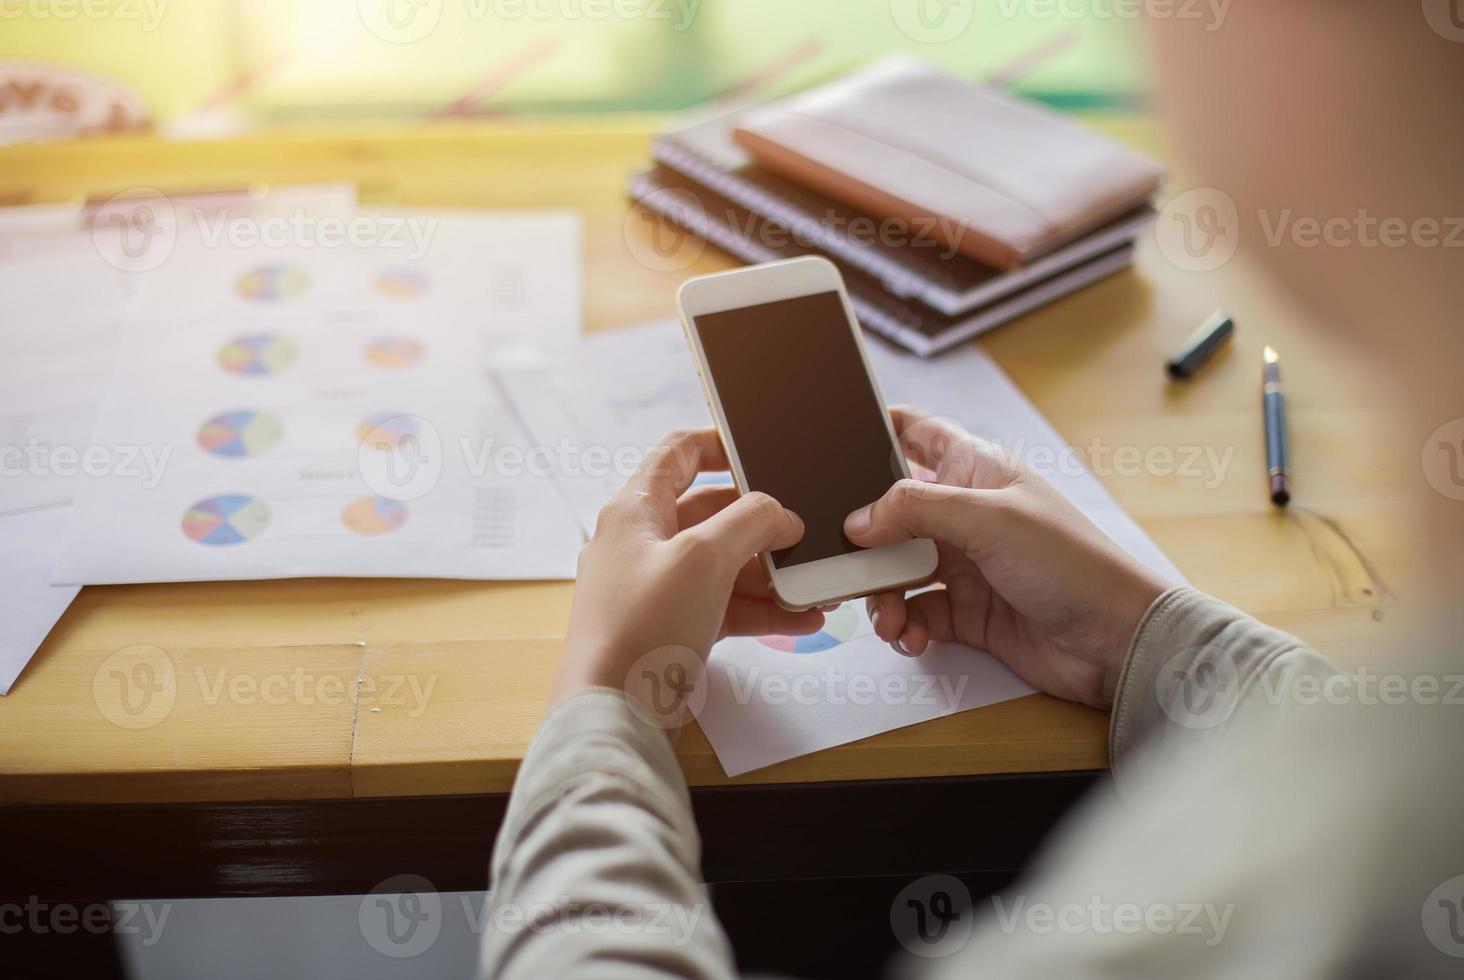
<point>1004,180</point>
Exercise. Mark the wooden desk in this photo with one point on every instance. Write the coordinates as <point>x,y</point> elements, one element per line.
<point>1326,569</point>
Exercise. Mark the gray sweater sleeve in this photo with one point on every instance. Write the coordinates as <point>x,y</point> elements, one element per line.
<point>596,871</point>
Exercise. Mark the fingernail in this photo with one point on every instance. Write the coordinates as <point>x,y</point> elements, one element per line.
<point>795,520</point>
<point>830,607</point>
<point>857,522</point>
<point>900,645</point>
<point>874,619</point>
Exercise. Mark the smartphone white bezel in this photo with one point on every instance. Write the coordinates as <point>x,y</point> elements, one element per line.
<point>827,580</point>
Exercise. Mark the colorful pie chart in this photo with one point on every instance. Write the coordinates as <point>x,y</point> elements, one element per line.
<point>374,515</point>
<point>231,518</point>
<point>386,431</point>
<point>272,283</point>
<point>839,626</point>
<point>257,354</point>
<point>401,283</point>
<point>241,434</point>
<point>395,352</point>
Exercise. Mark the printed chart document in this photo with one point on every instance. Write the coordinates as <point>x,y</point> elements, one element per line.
<point>62,315</point>
<point>66,282</point>
<point>31,604</point>
<point>326,411</point>
<point>775,698</point>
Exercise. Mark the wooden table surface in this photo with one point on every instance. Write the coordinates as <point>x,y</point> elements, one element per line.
<point>1327,569</point>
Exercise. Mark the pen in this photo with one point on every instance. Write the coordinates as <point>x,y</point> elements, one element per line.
<point>1208,337</point>
<point>1278,457</point>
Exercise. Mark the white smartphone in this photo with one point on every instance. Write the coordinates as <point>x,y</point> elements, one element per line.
<point>783,364</point>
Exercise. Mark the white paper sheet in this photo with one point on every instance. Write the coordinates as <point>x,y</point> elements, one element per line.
<point>60,321</point>
<point>305,411</point>
<point>31,605</point>
<point>775,698</point>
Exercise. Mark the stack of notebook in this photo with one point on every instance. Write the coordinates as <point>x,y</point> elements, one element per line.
<point>949,208</point>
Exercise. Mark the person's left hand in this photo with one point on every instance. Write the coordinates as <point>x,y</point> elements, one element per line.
<point>667,568</point>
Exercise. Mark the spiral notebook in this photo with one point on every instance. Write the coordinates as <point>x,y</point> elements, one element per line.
<point>719,220</point>
<point>948,283</point>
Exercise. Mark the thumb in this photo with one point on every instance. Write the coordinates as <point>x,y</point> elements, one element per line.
<point>752,523</point>
<point>957,516</point>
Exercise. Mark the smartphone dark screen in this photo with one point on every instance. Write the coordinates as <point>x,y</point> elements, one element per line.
<point>803,415</point>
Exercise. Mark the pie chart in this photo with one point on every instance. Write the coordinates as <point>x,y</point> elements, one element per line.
<point>231,518</point>
<point>374,515</point>
<point>241,434</point>
<point>386,431</point>
<point>401,283</point>
<point>395,352</point>
<point>257,354</point>
<point>272,283</point>
<point>839,626</point>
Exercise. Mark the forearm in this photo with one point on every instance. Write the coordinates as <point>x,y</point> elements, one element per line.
<point>596,870</point>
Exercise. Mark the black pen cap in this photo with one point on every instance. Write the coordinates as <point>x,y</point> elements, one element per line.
<point>1208,337</point>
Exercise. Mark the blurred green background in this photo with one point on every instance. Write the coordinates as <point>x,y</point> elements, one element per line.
<point>237,63</point>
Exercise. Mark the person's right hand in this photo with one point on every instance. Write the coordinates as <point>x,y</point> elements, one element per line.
<point>1022,573</point>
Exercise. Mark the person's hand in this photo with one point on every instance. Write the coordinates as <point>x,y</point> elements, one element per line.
<point>672,570</point>
<point>1022,573</point>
